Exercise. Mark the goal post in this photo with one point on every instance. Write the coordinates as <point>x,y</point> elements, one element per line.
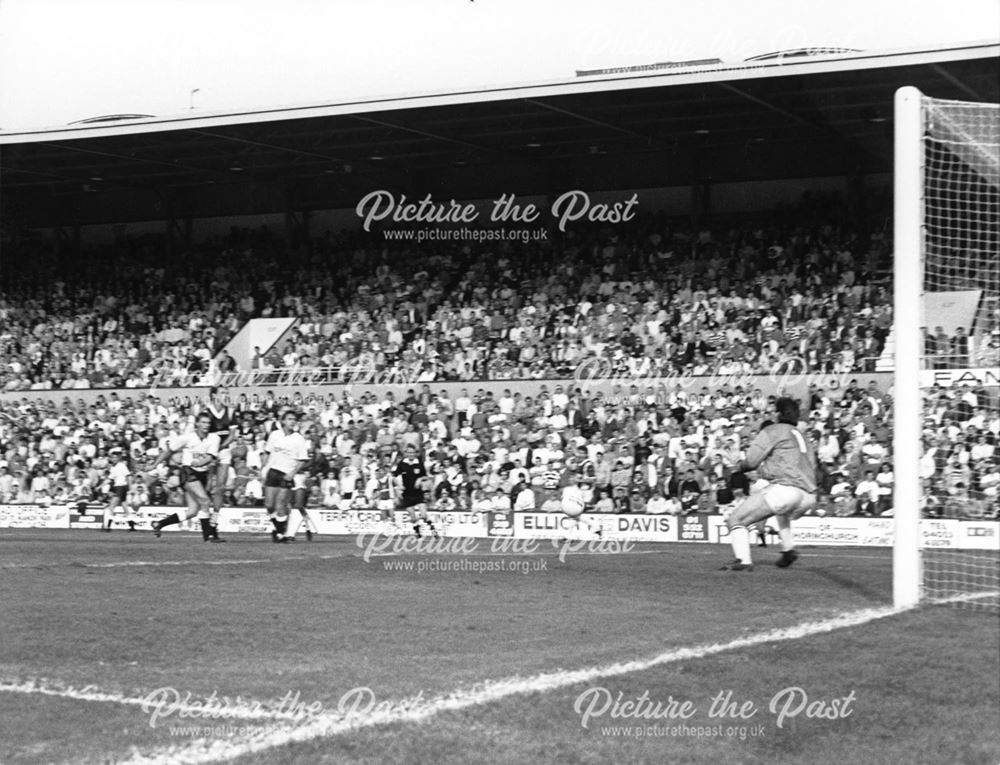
<point>946,327</point>
<point>907,573</point>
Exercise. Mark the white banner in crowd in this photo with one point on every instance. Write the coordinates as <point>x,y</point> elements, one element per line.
<point>139,520</point>
<point>809,531</point>
<point>640,528</point>
<point>34,517</point>
<point>947,378</point>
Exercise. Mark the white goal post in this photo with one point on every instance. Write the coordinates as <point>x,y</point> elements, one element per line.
<point>907,267</point>
<point>946,238</point>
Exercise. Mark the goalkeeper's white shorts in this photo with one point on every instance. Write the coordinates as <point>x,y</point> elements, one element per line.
<point>787,500</point>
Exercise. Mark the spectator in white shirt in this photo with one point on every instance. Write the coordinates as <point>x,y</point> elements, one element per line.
<point>7,491</point>
<point>254,490</point>
<point>499,502</point>
<point>982,450</point>
<point>657,505</point>
<point>867,493</point>
<point>525,498</point>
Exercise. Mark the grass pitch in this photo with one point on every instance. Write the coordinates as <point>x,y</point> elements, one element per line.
<point>93,624</point>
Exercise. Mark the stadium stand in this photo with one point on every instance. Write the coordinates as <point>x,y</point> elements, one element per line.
<point>670,445</point>
<point>657,300</point>
<point>654,300</point>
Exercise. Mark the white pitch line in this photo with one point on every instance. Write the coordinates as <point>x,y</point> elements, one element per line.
<point>253,561</point>
<point>153,563</point>
<point>416,709</point>
<point>215,706</point>
<point>806,556</point>
<point>533,554</point>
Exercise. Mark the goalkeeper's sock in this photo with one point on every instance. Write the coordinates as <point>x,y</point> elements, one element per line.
<point>739,538</point>
<point>785,534</point>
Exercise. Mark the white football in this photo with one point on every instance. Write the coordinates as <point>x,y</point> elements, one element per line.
<point>573,506</point>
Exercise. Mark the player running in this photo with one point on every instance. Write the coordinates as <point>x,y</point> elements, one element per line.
<point>285,453</point>
<point>199,452</point>
<point>381,488</point>
<point>301,485</point>
<point>224,427</point>
<point>786,463</point>
<point>119,477</point>
<point>410,478</point>
<point>135,499</point>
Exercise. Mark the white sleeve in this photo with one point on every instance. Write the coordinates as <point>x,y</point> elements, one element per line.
<point>212,445</point>
<point>302,452</point>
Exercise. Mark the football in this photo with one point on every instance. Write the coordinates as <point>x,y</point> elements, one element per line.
<point>573,506</point>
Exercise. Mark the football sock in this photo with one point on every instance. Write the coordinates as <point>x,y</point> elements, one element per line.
<point>206,528</point>
<point>739,538</point>
<point>170,520</point>
<point>785,534</point>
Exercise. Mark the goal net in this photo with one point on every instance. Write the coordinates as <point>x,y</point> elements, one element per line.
<point>947,305</point>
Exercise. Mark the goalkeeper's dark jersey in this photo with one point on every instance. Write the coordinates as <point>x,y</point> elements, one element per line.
<point>781,454</point>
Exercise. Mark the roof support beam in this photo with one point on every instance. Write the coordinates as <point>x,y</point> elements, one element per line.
<point>969,91</point>
<point>113,155</point>
<point>273,147</point>
<point>768,105</point>
<point>423,133</point>
<point>591,120</point>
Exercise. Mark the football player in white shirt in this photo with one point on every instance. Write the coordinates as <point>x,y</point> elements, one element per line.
<point>118,476</point>
<point>301,489</point>
<point>199,451</point>
<point>285,452</point>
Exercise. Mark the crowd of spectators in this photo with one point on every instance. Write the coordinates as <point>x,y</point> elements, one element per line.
<point>657,298</point>
<point>653,450</point>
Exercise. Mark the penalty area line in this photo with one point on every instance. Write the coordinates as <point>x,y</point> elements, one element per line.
<point>155,563</point>
<point>417,709</point>
<point>215,706</point>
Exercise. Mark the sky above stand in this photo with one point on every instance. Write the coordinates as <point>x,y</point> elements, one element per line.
<point>68,60</point>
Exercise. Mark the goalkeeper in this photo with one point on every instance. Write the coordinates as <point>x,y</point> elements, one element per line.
<point>786,463</point>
